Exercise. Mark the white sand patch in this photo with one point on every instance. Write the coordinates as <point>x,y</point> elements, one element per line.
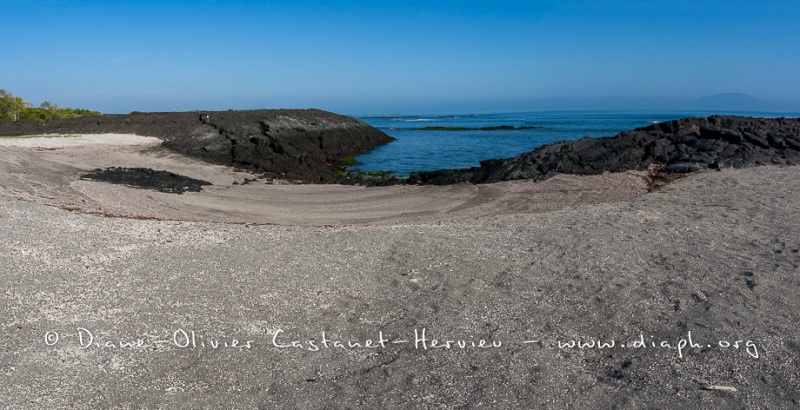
<point>63,141</point>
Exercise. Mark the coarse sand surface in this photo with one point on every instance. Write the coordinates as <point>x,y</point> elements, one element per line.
<point>578,292</point>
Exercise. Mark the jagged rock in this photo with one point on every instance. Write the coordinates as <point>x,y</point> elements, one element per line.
<point>685,145</point>
<point>303,144</point>
<point>291,144</point>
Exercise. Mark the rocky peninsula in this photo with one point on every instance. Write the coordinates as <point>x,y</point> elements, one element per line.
<point>301,145</point>
<point>680,146</point>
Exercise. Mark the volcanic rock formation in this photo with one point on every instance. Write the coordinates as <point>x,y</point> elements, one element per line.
<point>305,145</point>
<point>684,145</point>
<point>289,144</point>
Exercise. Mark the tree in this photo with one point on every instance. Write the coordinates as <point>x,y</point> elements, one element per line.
<point>6,105</point>
<point>10,106</point>
<point>17,105</point>
<point>15,108</point>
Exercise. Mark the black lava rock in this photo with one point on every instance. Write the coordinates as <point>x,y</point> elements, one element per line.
<point>302,145</point>
<point>147,178</point>
<point>682,146</point>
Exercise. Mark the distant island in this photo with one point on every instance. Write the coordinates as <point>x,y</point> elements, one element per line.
<point>492,128</point>
<point>732,102</point>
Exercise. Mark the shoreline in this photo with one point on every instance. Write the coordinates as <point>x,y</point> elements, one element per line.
<point>242,197</point>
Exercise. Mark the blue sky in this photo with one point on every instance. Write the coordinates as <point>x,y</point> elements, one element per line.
<point>377,57</point>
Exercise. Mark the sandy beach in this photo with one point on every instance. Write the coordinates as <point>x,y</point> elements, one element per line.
<point>242,197</point>
<point>579,291</point>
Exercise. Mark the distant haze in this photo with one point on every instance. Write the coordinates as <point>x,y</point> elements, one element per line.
<point>373,57</point>
<point>734,101</point>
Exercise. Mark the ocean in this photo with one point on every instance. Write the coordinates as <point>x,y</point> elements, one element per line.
<point>432,142</point>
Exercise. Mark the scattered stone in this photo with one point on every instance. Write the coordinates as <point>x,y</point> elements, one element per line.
<point>712,387</point>
<point>681,168</point>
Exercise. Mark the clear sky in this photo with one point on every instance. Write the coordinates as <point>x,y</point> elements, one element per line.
<point>380,57</point>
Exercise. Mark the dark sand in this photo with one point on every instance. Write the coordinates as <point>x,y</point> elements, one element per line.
<point>715,255</point>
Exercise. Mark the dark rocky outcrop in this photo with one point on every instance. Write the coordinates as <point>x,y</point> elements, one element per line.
<point>305,145</point>
<point>291,144</point>
<point>682,146</point>
<point>147,178</point>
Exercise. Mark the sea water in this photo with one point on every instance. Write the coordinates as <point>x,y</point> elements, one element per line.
<point>432,142</point>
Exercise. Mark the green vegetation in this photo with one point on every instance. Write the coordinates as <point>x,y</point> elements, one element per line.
<point>341,169</point>
<point>346,161</point>
<point>15,108</point>
<point>367,176</point>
